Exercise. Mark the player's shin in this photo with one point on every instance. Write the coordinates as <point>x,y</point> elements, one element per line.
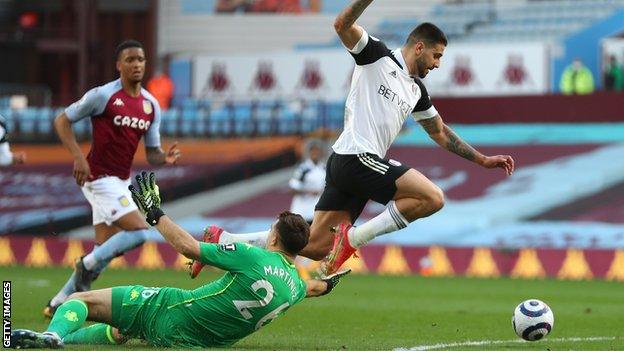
<point>388,221</point>
<point>62,295</point>
<point>113,247</point>
<point>96,334</point>
<point>68,318</point>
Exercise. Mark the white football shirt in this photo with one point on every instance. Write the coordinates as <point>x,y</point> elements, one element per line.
<point>309,178</point>
<point>382,95</point>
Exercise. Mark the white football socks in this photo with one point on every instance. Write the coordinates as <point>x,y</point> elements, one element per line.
<point>257,239</point>
<point>388,221</point>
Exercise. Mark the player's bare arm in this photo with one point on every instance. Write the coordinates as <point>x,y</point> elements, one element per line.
<point>320,287</point>
<point>349,31</point>
<point>156,156</point>
<point>315,287</point>
<point>63,128</point>
<point>444,136</point>
<point>179,238</point>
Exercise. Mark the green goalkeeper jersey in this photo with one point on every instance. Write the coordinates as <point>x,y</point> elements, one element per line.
<point>259,286</point>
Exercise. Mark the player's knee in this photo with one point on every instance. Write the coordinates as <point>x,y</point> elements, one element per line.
<point>436,199</point>
<point>88,297</point>
<point>81,296</point>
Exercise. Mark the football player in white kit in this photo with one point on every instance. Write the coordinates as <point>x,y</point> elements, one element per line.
<point>385,90</point>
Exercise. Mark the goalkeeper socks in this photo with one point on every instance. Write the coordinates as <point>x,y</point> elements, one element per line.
<point>115,246</point>
<point>96,334</point>
<point>257,239</point>
<point>67,289</point>
<point>389,220</point>
<point>68,318</point>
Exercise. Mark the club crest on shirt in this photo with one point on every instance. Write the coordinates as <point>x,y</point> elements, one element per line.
<point>228,247</point>
<point>147,107</point>
<point>123,201</point>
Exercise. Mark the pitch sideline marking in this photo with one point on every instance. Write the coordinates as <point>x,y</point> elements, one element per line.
<point>497,342</point>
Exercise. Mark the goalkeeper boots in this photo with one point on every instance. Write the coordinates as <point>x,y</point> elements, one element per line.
<point>211,235</point>
<point>28,339</point>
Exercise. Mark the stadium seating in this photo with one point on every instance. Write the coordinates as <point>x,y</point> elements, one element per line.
<point>479,21</point>
<point>547,20</point>
<point>199,118</point>
<point>470,21</point>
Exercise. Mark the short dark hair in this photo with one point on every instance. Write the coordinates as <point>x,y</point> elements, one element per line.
<point>428,33</point>
<point>127,44</point>
<point>293,232</point>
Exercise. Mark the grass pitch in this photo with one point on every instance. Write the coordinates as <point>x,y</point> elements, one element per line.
<point>368,312</point>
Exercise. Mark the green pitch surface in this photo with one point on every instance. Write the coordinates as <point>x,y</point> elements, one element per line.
<point>384,313</point>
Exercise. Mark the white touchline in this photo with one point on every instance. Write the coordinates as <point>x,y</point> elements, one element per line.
<point>498,342</point>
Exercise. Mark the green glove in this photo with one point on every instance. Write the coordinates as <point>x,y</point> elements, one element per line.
<point>333,280</point>
<point>147,197</point>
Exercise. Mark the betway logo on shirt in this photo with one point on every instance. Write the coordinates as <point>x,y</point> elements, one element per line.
<point>393,97</point>
<point>132,122</point>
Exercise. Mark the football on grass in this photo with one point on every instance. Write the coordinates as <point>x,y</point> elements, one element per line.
<point>532,320</point>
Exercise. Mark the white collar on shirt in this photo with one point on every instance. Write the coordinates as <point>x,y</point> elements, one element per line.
<point>399,56</point>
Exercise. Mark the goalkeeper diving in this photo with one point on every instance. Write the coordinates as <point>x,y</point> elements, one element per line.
<point>258,286</point>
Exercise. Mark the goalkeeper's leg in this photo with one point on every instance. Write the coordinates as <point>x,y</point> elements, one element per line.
<point>96,334</point>
<point>71,315</point>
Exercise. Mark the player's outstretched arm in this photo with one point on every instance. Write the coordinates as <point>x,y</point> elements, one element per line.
<point>147,199</point>
<point>444,136</point>
<point>179,238</point>
<point>320,287</point>
<point>344,24</point>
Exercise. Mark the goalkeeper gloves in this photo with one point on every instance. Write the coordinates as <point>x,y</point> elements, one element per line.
<point>333,280</point>
<point>147,197</point>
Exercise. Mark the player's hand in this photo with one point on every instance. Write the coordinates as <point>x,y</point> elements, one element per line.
<point>147,197</point>
<point>173,154</point>
<point>82,172</point>
<point>333,280</point>
<point>19,157</point>
<point>505,162</point>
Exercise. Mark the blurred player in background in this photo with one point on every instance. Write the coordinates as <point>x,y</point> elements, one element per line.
<point>385,90</point>
<point>259,285</point>
<point>307,183</point>
<point>121,113</point>
<point>7,157</point>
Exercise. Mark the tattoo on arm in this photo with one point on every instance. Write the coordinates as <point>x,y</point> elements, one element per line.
<point>432,125</point>
<point>456,145</point>
<point>353,12</point>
